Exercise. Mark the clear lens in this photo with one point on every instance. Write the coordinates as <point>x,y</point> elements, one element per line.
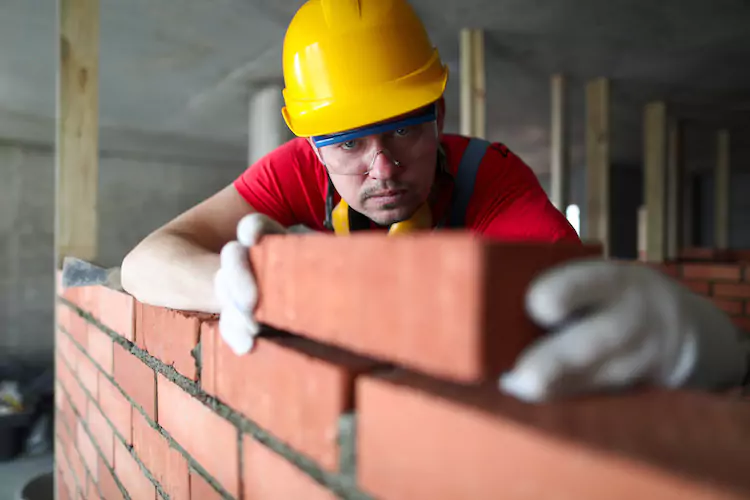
<point>402,145</point>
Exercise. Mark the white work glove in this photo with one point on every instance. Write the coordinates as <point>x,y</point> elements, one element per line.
<point>234,283</point>
<point>621,324</point>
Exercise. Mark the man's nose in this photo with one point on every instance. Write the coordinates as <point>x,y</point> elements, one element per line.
<point>383,165</point>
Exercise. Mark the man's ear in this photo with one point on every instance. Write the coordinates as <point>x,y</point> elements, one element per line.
<point>440,115</point>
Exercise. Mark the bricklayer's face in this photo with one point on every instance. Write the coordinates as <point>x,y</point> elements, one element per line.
<point>399,168</point>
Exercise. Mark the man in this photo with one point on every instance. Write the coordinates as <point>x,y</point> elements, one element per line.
<point>363,94</point>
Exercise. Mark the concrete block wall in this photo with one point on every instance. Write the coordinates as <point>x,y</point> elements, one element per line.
<point>356,393</point>
<point>137,194</point>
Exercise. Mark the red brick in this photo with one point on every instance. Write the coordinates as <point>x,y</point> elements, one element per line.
<point>131,476</point>
<point>77,397</point>
<point>166,464</point>
<point>116,311</point>
<point>739,291</point>
<point>747,273</point>
<point>77,466</point>
<point>669,268</point>
<point>733,307</point>
<point>101,433</point>
<point>83,297</point>
<point>714,272</point>
<point>299,388</point>
<point>743,323</point>
<point>107,484</point>
<point>87,451</point>
<point>67,349</point>
<point>747,308</point>
<point>73,324</point>
<point>65,473</point>
<point>91,492</point>
<point>100,348</point>
<point>421,439</point>
<point>59,395</point>
<point>88,375</point>
<point>449,295</point>
<point>699,253</point>
<point>200,489</point>
<point>68,416</point>
<point>168,335</point>
<point>208,438</point>
<point>699,287</point>
<point>136,379</point>
<point>268,476</point>
<point>116,408</point>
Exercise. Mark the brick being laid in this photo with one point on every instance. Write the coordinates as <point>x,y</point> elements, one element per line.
<point>419,438</point>
<point>448,304</point>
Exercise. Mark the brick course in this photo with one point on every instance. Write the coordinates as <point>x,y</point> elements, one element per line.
<point>363,394</point>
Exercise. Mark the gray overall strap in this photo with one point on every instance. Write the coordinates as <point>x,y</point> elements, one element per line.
<point>464,181</point>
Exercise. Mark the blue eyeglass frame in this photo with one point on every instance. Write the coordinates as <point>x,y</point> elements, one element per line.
<point>326,140</point>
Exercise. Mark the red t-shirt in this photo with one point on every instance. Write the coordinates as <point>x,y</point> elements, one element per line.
<point>289,185</point>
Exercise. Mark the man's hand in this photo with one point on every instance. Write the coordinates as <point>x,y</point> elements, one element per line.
<point>234,283</point>
<point>615,324</point>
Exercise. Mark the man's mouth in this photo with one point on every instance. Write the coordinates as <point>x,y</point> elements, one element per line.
<point>388,197</point>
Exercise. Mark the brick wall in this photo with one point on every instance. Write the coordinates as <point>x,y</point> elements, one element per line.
<point>726,283</point>
<point>358,393</point>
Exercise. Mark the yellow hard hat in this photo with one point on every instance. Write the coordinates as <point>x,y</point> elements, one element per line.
<point>350,63</point>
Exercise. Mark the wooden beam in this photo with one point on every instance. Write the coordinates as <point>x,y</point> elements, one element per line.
<point>655,179</point>
<point>76,222</point>
<point>721,191</point>
<point>598,163</point>
<point>473,83</point>
<point>559,147</point>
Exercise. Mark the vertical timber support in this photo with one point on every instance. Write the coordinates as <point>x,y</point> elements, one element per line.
<point>721,191</point>
<point>77,134</point>
<point>473,84</point>
<point>598,163</point>
<point>675,188</point>
<point>560,147</point>
<point>655,179</point>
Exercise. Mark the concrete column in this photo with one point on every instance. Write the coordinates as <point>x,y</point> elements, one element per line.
<point>266,128</point>
<point>721,191</point>
<point>473,83</point>
<point>655,179</point>
<point>560,145</point>
<point>597,227</point>
<point>675,189</point>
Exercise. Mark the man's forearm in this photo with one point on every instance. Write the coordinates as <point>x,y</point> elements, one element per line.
<point>168,270</point>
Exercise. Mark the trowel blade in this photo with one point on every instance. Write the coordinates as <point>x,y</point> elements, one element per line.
<point>77,272</point>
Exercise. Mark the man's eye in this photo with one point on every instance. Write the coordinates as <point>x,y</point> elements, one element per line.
<point>348,145</point>
<point>402,131</point>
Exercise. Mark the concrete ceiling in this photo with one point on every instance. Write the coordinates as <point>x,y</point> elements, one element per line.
<point>175,76</point>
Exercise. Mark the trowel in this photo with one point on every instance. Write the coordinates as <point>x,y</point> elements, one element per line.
<point>77,272</point>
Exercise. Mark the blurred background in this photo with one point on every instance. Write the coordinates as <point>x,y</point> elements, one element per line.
<point>189,93</point>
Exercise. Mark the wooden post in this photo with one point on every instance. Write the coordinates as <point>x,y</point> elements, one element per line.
<point>675,189</point>
<point>655,176</point>
<point>559,148</point>
<point>721,191</point>
<point>473,83</point>
<point>597,163</point>
<point>77,179</point>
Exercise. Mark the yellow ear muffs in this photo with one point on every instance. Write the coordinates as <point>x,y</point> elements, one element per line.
<point>421,220</point>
